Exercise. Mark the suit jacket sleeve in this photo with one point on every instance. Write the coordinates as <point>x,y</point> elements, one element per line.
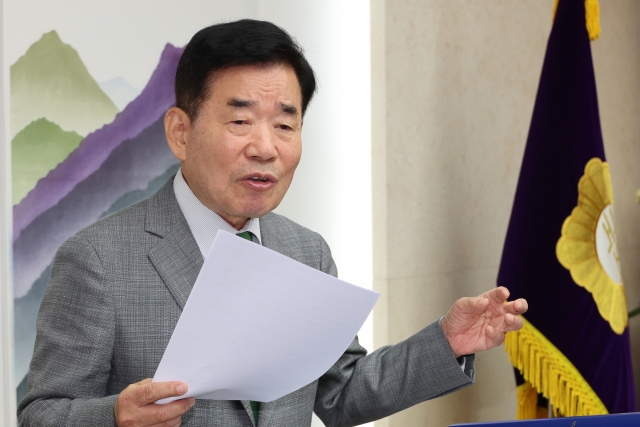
<point>361,388</point>
<point>71,363</point>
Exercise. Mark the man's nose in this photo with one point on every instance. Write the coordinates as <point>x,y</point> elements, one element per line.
<point>263,145</point>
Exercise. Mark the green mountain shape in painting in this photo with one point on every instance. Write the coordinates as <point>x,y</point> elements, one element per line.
<point>36,150</point>
<point>50,80</point>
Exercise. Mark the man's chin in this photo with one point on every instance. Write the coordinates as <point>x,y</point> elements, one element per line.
<point>258,207</point>
<point>256,211</point>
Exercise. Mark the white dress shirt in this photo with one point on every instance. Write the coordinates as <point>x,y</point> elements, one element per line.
<point>203,222</point>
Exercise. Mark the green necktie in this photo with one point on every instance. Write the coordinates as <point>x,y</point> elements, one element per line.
<point>255,406</point>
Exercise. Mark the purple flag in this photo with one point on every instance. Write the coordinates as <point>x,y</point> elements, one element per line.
<point>560,251</point>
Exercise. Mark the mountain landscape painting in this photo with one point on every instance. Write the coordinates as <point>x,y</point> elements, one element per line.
<point>81,150</point>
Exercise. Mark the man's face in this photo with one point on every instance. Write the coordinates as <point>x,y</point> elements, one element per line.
<point>240,153</point>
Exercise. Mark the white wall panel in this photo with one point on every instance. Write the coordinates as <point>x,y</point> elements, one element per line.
<point>331,193</point>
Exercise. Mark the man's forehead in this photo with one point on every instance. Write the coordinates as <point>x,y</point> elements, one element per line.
<point>241,86</point>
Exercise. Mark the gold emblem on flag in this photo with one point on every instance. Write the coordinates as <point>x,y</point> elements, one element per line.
<point>588,247</point>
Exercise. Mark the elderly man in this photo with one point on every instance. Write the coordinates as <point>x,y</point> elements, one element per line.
<point>118,287</point>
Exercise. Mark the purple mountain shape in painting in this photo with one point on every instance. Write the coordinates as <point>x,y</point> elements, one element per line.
<point>25,309</point>
<point>130,166</point>
<point>154,100</point>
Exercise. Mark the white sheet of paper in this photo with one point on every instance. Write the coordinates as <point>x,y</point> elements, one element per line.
<point>259,325</point>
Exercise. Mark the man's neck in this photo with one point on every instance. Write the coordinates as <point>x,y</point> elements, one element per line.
<point>235,222</point>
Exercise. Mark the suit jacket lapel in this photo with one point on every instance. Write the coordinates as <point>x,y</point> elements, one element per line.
<point>267,409</point>
<point>176,257</point>
<point>247,407</point>
<point>271,235</point>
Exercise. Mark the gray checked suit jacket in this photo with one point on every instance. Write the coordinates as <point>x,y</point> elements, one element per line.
<point>116,292</point>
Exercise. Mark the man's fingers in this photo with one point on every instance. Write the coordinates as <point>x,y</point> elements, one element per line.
<point>514,324</point>
<point>166,414</point>
<point>135,405</point>
<point>497,295</point>
<point>516,307</point>
<point>495,337</point>
<point>473,305</point>
<point>150,392</point>
<point>521,305</point>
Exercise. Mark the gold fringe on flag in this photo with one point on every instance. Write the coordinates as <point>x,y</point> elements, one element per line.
<point>528,408</point>
<point>592,17</point>
<point>527,402</point>
<point>550,373</point>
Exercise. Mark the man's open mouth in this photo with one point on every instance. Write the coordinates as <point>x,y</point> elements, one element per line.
<point>258,181</point>
<point>260,177</point>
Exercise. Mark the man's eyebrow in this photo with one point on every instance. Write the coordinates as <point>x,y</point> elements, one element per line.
<point>240,103</point>
<point>244,103</point>
<point>288,108</point>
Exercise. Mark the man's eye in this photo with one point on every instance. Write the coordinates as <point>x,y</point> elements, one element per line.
<point>239,122</point>
<point>285,127</point>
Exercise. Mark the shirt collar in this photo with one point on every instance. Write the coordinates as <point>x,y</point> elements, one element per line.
<point>203,222</point>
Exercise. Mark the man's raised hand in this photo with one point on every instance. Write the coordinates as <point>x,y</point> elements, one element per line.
<point>136,407</point>
<point>480,323</point>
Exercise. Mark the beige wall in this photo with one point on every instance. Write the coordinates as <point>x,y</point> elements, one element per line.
<point>453,88</point>
<point>616,58</point>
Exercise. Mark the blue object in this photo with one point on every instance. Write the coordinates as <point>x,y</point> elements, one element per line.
<point>617,420</point>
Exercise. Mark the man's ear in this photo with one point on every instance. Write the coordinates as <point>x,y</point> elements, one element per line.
<point>177,127</point>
